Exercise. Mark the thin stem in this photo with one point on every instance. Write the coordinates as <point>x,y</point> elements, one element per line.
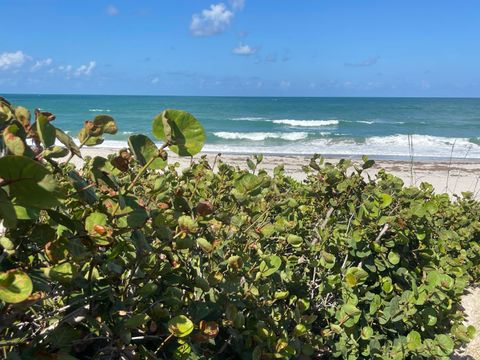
<point>139,175</point>
<point>163,343</point>
<point>81,145</point>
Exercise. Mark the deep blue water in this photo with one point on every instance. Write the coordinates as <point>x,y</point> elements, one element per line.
<point>380,127</point>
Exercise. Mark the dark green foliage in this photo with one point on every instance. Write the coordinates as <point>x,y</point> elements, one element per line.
<point>121,260</point>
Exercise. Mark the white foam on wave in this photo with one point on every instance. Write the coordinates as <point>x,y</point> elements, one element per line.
<point>386,146</point>
<point>383,146</point>
<point>99,110</point>
<point>249,118</point>
<point>306,123</point>
<point>260,136</point>
<point>366,122</point>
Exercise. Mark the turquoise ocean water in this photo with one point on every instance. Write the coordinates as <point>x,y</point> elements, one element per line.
<point>378,127</point>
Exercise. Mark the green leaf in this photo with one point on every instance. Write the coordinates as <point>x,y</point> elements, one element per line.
<point>414,340</point>
<point>327,260</point>
<point>445,343</point>
<point>55,152</point>
<point>270,265</point>
<point>180,326</point>
<point>185,132</point>
<point>248,183</point>
<point>348,315</point>
<point>26,213</point>
<point>7,210</point>
<point>15,286</point>
<point>66,140</point>
<point>294,240</point>
<point>84,138</point>
<point>45,130</point>
<point>84,191</point>
<point>62,273</point>
<point>29,183</point>
<point>366,333</point>
<point>23,115</point>
<point>299,330</point>
<point>14,138</point>
<point>106,124</point>
<point>355,276</point>
<point>205,245</point>
<point>386,201</point>
<point>93,223</point>
<point>393,257</point>
<point>144,149</point>
<point>136,321</point>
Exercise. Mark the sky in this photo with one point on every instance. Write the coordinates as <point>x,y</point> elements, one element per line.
<point>241,47</point>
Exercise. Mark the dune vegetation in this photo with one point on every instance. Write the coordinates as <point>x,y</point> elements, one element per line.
<point>132,258</point>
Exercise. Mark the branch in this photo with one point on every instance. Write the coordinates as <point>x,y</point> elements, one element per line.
<point>382,232</point>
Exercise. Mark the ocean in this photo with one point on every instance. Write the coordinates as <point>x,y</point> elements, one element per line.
<point>384,128</point>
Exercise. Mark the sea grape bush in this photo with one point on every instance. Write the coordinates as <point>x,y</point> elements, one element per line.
<point>133,258</point>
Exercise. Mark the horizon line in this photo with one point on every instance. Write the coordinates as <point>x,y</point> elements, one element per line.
<point>255,96</point>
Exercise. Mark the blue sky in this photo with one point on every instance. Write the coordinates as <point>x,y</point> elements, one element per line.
<point>241,47</point>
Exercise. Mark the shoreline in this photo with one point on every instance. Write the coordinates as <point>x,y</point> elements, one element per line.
<point>451,176</point>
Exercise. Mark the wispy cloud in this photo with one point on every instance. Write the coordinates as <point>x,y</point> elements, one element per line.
<point>237,4</point>
<point>211,21</point>
<point>155,80</point>
<point>244,50</point>
<point>364,63</point>
<point>112,10</point>
<point>85,70</point>
<point>82,70</point>
<point>41,63</point>
<point>9,60</point>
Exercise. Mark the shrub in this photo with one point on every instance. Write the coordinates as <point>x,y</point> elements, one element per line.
<point>132,257</point>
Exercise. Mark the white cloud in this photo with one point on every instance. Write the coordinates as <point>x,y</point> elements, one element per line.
<point>237,4</point>
<point>155,81</point>
<point>211,21</point>
<point>66,68</point>
<point>112,10</point>
<point>85,69</point>
<point>41,63</point>
<point>244,49</point>
<point>13,60</point>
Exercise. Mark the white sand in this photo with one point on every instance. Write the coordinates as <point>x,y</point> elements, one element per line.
<point>451,177</point>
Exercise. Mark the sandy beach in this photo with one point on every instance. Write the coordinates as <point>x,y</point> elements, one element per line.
<point>452,177</point>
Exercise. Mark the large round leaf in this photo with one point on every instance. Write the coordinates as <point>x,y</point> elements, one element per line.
<point>270,265</point>
<point>28,182</point>
<point>15,286</point>
<point>180,326</point>
<point>181,129</point>
<point>144,149</point>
